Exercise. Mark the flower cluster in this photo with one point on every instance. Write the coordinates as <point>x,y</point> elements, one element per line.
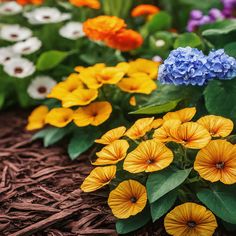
<point>112,31</point>
<point>189,66</point>
<point>85,90</point>
<point>163,145</point>
<point>229,8</point>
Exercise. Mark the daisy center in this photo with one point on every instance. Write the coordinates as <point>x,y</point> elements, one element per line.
<point>18,70</point>
<point>76,32</point>
<point>14,35</point>
<point>8,9</point>
<point>26,49</point>
<point>220,165</point>
<point>47,17</point>
<point>133,199</point>
<point>191,224</point>
<point>7,59</point>
<point>42,89</point>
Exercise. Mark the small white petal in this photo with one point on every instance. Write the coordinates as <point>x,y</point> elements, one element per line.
<point>10,8</point>
<point>72,30</point>
<point>6,54</point>
<point>160,43</point>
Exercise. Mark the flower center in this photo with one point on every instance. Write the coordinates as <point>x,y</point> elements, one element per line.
<point>76,32</point>
<point>133,199</point>
<point>7,59</point>
<point>46,17</point>
<point>18,70</point>
<point>14,35</point>
<point>191,224</point>
<point>8,9</point>
<point>220,165</point>
<point>26,49</point>
<point>150,161</point>
<point>42,89</point>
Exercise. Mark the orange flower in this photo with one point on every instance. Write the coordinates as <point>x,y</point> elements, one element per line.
<point>157,123</point>
<point>132,101</point>
<point>25,2</point>
<point>144,10</point>
<point>94,4</point>
<point>125,40</point>
<point>102,27</point>
<point>217,162</point>
<point>94,114</point>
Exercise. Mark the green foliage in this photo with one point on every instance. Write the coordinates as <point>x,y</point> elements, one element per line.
<point>188,39</point>
<point>134,222</point>
<point>220,199</point>
<point>230,49</point>
<point>162,182</point>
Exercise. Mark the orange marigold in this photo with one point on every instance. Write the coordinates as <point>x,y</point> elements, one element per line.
<point>144,10</point>
<point>25,2</point>
<point>94,4</point>
<point>102,27</point>
<point>125,40</point>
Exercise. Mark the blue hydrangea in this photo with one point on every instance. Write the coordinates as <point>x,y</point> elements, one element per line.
<point>220,65</point>
<point>184,66</point>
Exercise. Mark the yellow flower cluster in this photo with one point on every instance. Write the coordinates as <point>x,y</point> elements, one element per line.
<point>84,90</point>
<point>215,161</point>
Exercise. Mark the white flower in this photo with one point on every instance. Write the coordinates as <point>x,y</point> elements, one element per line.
<point>157,59</point>
<point>40,87</point>
<point>6,54</point>
<point>46,15</point>
<point>72,30</point>
<point>19,67</point>
<point>14,33</point>
<point>10,8</point>
<point>160,43</point>
<point>28,46</point>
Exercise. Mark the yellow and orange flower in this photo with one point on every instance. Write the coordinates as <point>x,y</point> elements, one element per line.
<point>157,123</point>
<point>36,119</point>
<point>34,2</point>
<point>127,199</point>
<point>149,156</point>
<point>190,219</point>
<point>144,10</point>
<point>139,128</point>
<point>99,177</point>
<point>216,125</point>
<point>94,114</point>
<point>125,40</point>
<point>102,27</point>
<point>94,4</point>
<point>80,97</point>
<point>217,162</point>
<point>140,83</point>
<point>111,136</point>
<point>59,117</point>
<point>113,153</point>
<point>183,115</point>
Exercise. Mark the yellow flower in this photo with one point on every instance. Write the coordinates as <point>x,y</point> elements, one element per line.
<point>191,135</point>
<point>149,156</point>
<point>62,89</point>
<point>157,123</point>
<point>140,83</point>
<point>217,162</point>
<point>36,119</point>
<point>99,177</point>
<point>127,199</point>
<point>190,219</point>
<point>183,115</point>
<point>139,128</point>
<point>59,117</point>
<point>113,153</point>
<point>80,97</point>
<point>144,66</point>
<point>216,125</point>
<point>94,114</point>
<point>111,136</point>
<point>123,66</point>
<point>132,101</point>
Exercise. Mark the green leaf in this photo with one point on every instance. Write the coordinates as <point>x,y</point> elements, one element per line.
<point>162,182</point>
<point>2,98</point>
<point>220,98</point>
<point>220,199</point>
<point>157,109</point>
<point>134,222</point>
<point>50,59</point>
<point>188,39</point>
<point>160,21</point>
<point>230,49</point>
<point>162,205</point>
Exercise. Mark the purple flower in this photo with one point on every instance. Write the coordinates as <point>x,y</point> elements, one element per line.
<point>216,14</point>
<point>229,8</point>
<point>196,14</point>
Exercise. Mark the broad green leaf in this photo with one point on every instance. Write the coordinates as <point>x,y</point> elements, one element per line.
<point>50,59</point>
<point>220,199</point>
<point>162,182</point>
<point>134,222</point>
<point>162,205</point>
<point>41,134</point>
<point>230,49</point>
<point>188,39</point>
<point>157,109</point>
<point>220,98</point>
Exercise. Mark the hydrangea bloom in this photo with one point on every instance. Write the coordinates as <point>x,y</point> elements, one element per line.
<point>184,66</point>
<point>220,65</point>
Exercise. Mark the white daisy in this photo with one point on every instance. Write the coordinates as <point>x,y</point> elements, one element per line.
<point>72,30</point>
<point>10,8</point>
<point>14,33</point>
<point>19,67</point>
<point>40,87</point>
<point>46,15</point>
<point>28,46</point>
<point>6,54</point>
